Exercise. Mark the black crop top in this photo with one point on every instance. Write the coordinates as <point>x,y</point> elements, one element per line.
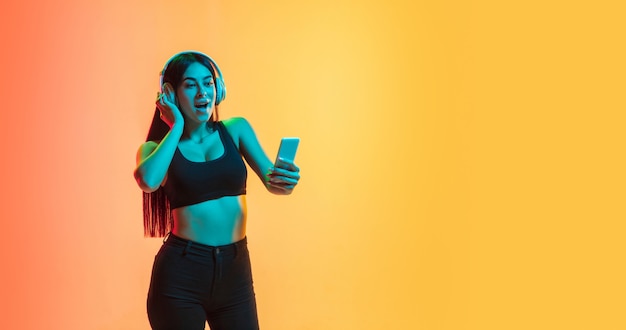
<point>194,182</point>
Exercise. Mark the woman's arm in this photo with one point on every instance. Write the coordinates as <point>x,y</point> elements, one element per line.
<point>280,179</point>
<point>153,159</point>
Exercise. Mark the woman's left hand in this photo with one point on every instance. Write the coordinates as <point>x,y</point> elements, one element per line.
<point>284,176</point>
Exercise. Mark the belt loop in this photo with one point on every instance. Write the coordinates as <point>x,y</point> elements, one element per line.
<point>187,247</point>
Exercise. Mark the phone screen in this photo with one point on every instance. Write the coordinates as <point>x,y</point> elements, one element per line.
<point>288,148</point>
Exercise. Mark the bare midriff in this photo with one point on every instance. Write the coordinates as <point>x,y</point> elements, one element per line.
<point>214,222</point>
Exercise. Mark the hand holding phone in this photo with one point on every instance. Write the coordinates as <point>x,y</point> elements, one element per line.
<point>285,175</point>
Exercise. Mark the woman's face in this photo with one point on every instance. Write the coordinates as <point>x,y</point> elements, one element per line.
<point>196,93</point>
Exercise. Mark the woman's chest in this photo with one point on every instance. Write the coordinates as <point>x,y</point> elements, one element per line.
<point>211,148</point>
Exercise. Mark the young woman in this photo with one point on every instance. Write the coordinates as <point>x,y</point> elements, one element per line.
<point>194,181</point>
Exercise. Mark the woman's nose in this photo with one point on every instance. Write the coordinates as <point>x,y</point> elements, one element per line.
<point>202,92</point>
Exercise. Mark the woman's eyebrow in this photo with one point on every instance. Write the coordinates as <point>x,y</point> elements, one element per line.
<point>194,79</point>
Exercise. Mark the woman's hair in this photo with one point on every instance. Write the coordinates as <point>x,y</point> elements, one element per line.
<point>157,215</point>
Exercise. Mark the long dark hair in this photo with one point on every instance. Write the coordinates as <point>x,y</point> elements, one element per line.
<point>157,214</point>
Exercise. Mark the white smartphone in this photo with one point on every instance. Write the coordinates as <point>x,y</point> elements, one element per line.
<point>287,149</point>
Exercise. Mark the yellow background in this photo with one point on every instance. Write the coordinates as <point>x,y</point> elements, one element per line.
<point>462,161</point>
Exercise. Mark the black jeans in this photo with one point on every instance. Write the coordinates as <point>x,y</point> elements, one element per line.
<point>193,283</point>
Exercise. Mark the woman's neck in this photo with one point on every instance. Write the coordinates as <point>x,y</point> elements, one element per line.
<point>197,132</point>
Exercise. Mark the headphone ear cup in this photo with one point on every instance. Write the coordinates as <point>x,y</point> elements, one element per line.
<point>220,90</point>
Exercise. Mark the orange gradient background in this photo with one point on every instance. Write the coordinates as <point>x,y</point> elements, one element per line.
<point>462,161</point>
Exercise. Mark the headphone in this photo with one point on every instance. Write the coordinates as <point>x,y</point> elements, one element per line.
<point>220,87</point>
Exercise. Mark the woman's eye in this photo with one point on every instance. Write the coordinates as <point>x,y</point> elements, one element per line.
<point>191,85</point>
<point>208,83</point>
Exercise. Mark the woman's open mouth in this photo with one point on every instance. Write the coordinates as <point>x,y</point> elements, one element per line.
<point>202,106</point>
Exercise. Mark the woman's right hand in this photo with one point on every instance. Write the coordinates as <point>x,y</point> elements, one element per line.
<point>166,103</point>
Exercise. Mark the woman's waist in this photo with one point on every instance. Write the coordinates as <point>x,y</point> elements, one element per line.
<point>214,222</point>
<point>175,241</point>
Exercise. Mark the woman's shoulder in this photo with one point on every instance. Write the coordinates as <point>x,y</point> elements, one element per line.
<point>237,125</point>
<point>145,149</point>
<point>149,145</point>
<point>235,122</point>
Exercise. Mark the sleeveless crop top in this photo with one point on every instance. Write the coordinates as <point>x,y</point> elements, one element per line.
<point>191,182</point>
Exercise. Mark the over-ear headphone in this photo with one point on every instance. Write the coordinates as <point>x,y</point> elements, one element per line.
<point>220,87</point>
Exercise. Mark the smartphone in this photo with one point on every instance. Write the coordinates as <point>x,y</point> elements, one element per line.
<point>287,149</point>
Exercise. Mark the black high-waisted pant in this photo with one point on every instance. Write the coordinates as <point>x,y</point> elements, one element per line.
<point>193,283</point>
